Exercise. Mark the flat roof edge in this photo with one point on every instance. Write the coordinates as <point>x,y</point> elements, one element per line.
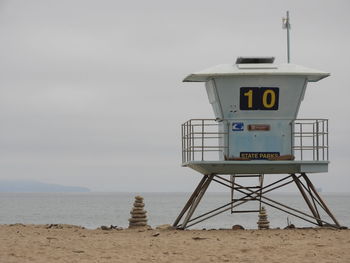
<point>312,77</point>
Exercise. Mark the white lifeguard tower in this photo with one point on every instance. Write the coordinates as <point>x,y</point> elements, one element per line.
<point>256,132</point>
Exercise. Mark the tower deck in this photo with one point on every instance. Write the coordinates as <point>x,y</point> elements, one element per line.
<point>257,166</point>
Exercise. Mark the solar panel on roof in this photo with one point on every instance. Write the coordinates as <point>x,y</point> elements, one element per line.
<point>255,60</point>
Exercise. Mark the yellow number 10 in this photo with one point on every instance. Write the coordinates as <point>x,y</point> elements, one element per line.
<point>256,98</point>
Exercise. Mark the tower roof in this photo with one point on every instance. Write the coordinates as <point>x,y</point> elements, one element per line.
<point>256,69</point>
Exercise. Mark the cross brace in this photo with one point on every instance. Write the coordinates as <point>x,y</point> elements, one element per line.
<point>306,188</point>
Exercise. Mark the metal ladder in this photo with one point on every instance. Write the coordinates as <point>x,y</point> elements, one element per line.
<point>247,197</point>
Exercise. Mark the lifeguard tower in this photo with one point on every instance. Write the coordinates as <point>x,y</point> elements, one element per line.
<point>256,133</point>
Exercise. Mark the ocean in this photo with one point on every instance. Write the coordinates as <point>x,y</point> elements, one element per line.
<point>92,210</point>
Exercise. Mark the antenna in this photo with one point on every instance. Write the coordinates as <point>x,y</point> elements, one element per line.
<point>286,25</point>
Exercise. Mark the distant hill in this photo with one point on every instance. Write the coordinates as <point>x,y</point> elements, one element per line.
<point>8,186</point>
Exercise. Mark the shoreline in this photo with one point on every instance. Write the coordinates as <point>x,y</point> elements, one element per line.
<point>69,243</point>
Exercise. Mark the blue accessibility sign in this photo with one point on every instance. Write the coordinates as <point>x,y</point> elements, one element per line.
<point>237,126</point>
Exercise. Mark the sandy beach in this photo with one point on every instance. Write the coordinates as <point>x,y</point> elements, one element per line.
<point>66,243</point>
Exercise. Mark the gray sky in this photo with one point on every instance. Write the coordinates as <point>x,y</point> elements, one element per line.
<point>91,91</point>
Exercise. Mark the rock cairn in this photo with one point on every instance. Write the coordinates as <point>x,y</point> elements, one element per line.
<point>138,215</point>
<point>263,223</point>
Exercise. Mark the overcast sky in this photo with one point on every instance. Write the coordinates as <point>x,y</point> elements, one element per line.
<point>91,91</point>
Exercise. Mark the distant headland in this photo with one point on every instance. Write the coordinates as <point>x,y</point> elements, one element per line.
<point>29,186</point>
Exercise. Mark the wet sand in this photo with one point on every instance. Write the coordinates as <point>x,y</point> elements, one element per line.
<point>66,243</point>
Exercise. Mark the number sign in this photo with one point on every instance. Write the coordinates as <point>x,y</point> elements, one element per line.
<point>259,98</point>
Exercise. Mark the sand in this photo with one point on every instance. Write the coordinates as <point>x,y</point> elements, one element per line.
<point>65,243</point>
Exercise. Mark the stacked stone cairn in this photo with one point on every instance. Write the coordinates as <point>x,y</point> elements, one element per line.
<point>138,215</point>
<point>263,223</point>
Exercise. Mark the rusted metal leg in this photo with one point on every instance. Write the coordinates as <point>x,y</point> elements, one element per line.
<point>261,182</point>
<point>324,206</point>
<point>190,200</point>
<point>196,200</point>
<point>232,179</point>
<point>307,200</point>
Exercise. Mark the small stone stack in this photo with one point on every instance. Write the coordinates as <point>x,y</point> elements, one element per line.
<point>138,215</point>
<point>263,223</point>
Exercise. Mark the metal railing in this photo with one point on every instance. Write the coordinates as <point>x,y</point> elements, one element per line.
<point>310,139</point>
<point>200,139</point>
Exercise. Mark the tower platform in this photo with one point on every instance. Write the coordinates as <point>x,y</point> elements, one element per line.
<point>257,166</point>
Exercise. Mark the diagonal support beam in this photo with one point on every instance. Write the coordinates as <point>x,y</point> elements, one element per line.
<point>197,200</point>
<point>324,206</point>
<point>307,200</point>
<point>192,204</point>
<point>190,200</point>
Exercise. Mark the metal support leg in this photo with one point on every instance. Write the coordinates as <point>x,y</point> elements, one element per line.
<point>193,202</point>
<point>307,200</point>
<point>190,200</point>
<point>261,182</point>
<point>324,206</point>
<point>196,201</point>
<point>232,179</point>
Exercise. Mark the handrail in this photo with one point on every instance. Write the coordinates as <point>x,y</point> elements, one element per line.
<point>202,137</point>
